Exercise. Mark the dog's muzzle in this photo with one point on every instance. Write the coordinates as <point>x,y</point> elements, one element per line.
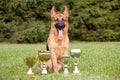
<point>60,26</point>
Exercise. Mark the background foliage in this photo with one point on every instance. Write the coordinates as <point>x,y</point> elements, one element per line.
<point>28,21</point>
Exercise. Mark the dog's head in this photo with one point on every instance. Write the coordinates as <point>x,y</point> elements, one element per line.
<point>59,22</point>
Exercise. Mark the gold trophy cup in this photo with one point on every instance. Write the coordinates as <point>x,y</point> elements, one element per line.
<point>43,57</point>
<point>65,61</point>
<point>75,53</point>
<point>30,61</point>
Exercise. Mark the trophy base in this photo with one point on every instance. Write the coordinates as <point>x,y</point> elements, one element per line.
<point>44,72</point>
<point>76,72</point>
<point>66,69</point>
<point>30,74</point>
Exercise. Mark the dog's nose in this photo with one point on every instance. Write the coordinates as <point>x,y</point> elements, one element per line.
<point>60,26</point>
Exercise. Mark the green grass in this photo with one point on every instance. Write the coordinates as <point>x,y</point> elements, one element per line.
<point>98,61</point>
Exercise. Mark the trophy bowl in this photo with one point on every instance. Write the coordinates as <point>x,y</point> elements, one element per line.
<point>44,56</point>
<point>65,59</point>
<point>75,52</point>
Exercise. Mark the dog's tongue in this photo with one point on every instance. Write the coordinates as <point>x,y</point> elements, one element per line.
<point>60,36</point>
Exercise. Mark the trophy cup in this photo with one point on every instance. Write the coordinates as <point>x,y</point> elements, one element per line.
<point>75,53</point>
<point>65,61</point>
<point>30,61</point>
<point>44,56</point>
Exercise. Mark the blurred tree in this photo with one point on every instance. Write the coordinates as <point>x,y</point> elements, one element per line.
<point>90,20</point>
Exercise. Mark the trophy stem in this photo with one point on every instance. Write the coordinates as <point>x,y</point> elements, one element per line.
<point>44,70</point>
<point>75,58</point>
<point>65,69</point>
<point>76,71</point>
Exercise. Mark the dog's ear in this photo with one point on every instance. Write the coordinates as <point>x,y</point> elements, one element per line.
<point>65,11</point>
<point>53,11</point>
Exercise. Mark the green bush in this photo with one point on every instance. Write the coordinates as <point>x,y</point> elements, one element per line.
<point>1,38</point>
<point>26,21</point>
<point>107,35</point>
<point>36,33</point>
<point>5,31</point>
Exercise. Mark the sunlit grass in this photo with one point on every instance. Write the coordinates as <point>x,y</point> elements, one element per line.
<point>98,61</point>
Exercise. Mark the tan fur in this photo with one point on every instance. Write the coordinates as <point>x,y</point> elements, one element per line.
<point>57,47</point>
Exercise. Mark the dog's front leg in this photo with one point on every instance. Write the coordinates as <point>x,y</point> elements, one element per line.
<point>54,62</point>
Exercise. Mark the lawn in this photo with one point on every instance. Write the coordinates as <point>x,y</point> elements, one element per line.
<point>98,61</point>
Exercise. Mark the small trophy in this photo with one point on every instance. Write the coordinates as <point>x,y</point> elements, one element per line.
<point>65,61</point>
<point>30,61</point>
<point>44,56</point>
<point>75,53</point>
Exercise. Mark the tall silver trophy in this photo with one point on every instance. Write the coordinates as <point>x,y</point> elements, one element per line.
<point>44,56</point>
<point>75,53</point>
<point>65,61</point>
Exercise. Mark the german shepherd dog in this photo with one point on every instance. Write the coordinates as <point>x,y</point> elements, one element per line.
<point>58,40</point>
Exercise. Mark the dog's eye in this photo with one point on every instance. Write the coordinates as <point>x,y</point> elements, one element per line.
<point>63,19</point>
<point>56,19</point>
